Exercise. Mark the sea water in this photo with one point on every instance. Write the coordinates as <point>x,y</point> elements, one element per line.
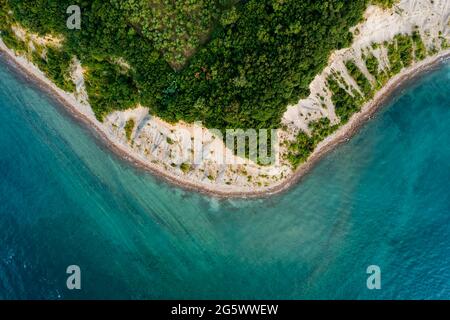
<point>381,199</point>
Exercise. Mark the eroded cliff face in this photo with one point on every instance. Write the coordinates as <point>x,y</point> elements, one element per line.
<point>386,43</point>
<point>428,19</point>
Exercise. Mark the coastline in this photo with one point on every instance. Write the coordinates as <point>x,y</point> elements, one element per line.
<point>342,135</point>
<point>368,111</point>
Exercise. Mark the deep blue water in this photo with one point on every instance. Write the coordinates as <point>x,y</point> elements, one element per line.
<point>383,199</point>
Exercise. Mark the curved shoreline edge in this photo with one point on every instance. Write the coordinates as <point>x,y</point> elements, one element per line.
<point>342,135</point>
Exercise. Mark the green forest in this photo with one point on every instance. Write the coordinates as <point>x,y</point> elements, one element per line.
<point>230,64</point>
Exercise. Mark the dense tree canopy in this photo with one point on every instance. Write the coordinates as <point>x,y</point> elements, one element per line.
<point>230,64</point>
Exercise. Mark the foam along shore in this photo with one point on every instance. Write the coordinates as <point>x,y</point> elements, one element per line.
<point>85,114</point>
<point>150,141</point>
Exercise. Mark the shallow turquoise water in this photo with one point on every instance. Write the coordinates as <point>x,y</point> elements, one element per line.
<point>383,199</point>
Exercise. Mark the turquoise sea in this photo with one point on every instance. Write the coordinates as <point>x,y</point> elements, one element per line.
<point>381,199</point>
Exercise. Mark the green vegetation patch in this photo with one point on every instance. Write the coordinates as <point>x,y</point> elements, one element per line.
<point>300,150</point>
<point>13,43</point>
<point>345,104</point>
<point>176,28</point>
<point>420,51</point>
<point>400,53</point>
<point>56,64</point>
<point>373,66</point>
<point>185,167</point>
<point>361,80</point>
<point>385,3</point>
<point>405,48</point>
<point>228,63</point>
<point>394,57</point>
<point>129,127</point>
